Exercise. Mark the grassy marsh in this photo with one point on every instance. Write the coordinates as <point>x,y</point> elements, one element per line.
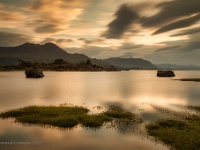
<point>66,116</point>
<point>179,133</point>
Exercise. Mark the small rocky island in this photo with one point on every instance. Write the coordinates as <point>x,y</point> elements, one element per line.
<point>165,73</point>
<point>34,73</point>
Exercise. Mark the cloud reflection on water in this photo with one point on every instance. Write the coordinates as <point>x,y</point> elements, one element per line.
<point>137,91</point>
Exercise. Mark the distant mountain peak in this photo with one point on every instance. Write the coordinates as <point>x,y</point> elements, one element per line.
<point>123,58</point>
<point>47,46</point>
<point>129,62</point>
<point>48,52</point>
<point>51,45</point>
<point>27,44</point>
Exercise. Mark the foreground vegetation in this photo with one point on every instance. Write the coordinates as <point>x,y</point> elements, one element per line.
<point>66,116</point>
<point>181,133</point>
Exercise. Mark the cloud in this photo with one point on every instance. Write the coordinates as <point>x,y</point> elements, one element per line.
<point>47,40</point>
<point>92,41</point>
<point>187,32</point>
<point>56,41</point>
<point>97,52</point>
<point>12,18</point>
<point>192,46</point>
<point>48,28</point>
<point>183,55</point>
<point>170,11</point>
<point>6,16</point>
<point>14,3</point>
<point>178,24</point>
<point>39,5</point>
<point>125,17</point>
<point>166,16</point>
<point>100,42</point>
<point>54,16</point>
<point>128,46</point>
<point>169,48</point>
<point>13,39</point>
<point>64,40</point>
<point>41,17</point>
<point>91,51</point>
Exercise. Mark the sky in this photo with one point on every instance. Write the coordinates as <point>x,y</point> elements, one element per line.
<point>161,31</point>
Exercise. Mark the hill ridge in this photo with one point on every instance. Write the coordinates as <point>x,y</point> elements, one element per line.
<point>48,52</point>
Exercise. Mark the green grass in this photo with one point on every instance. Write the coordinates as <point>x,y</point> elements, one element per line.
<point>65,116</point>
<point>178,134</point>
<point>117,112</point>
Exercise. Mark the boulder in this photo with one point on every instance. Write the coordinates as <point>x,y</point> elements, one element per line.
<point>34,73</point>
<point>165,74</point>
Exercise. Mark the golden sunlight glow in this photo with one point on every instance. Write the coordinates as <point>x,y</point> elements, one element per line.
<point>155,40</point>
<point>57,13</point>
<point>162,102</point>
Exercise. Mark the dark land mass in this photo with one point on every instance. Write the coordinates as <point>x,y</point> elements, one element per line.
<point>57,65</point>
<point>177,67</point>
<point>162,73</point>
<point>41,53</point>
<point>49,52</point>
<point>130,63</point>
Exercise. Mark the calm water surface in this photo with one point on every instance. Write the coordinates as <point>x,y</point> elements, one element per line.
<point>137,91</point>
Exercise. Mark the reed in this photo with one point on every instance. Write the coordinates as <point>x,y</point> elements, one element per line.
<point>178,133</point>
<point>65,116</point>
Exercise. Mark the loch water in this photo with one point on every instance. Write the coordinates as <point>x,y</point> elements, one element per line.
<point>138,91</point>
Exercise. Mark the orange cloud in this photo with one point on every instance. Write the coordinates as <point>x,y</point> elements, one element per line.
<point>12,19</point>
<point>6,16</point>
<point>54,16</point>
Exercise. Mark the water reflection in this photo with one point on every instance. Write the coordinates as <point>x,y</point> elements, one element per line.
<point>136,91</point>
<point>76,139</point>
<point>131,87</point>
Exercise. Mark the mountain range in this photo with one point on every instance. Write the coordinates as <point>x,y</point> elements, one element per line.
<point>49,52</point>
<point>130,63</point>
<point>177,67</point>
<point>41,53</point>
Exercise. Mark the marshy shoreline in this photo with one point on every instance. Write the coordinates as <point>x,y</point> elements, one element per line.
<point>180,132</point>
<point>68,116</point>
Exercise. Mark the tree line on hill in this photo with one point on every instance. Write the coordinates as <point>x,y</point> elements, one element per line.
<point>57,65</point>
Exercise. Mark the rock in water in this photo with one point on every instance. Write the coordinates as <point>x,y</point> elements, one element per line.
<point>34,73</point>
<point>165,74</point>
